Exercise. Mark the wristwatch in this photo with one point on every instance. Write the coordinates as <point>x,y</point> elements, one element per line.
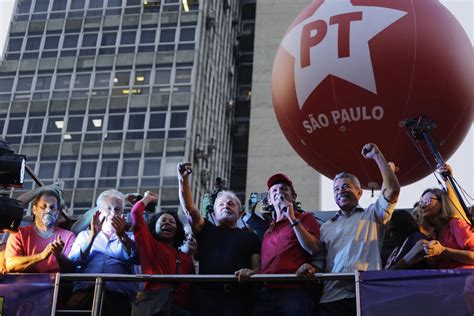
<point>295,223</point>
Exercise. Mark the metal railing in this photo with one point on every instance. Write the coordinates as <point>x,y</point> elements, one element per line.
<point>170,278</point>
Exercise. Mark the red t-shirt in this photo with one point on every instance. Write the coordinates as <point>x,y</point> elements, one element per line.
<point>457,234</point>
<point>281,250</point>
<point>27,242</point>
<point>157,257</point>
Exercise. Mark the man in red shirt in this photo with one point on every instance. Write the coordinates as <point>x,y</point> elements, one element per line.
<point>289,243</point>
<point>41,247</point>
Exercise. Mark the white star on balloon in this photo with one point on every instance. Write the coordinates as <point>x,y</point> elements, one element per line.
<point>324,56</point>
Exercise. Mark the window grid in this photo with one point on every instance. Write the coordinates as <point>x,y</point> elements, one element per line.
<point>181,80</point>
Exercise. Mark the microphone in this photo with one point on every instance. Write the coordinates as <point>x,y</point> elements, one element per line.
<point>282,199</point>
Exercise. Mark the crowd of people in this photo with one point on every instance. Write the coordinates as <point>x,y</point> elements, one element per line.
<point>435,235</point>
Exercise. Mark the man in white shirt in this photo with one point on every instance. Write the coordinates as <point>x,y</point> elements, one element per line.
<point>352,239</point>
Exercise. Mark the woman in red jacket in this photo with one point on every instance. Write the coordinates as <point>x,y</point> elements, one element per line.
<point>158,245</point>
<point>453,240</point>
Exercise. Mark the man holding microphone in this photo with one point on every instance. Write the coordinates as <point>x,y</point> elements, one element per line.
<point>288,245</point>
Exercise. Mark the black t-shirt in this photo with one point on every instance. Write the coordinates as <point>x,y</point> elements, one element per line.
<point>412,240</point>
<point>223,250</point>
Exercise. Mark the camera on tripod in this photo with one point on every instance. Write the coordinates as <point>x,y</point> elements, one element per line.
<point>12,173</point>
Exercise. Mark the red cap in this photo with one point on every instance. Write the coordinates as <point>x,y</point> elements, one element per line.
<point>279,178</point>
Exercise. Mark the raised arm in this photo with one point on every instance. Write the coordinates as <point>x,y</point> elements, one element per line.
<point>390,185</point>
<point>27,197</point>
<point>304,231</point>
<point>83,221</point>
<point>186,198</point>
<point>444,170</point>
<point>83,245</point>
<point>139,207</point>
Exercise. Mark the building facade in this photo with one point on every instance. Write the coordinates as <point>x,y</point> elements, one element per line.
<point>114,93</point>
<point>269,152</point>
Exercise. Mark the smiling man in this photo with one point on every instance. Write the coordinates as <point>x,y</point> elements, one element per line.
<point>105,248</point>
<point>41,247</point>
<point>222,248</point>
<point>352,239</point>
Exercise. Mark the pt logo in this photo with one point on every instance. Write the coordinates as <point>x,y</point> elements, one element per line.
<point>335,41</point>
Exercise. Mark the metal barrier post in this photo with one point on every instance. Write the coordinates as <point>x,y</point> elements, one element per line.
<point>357,289</point>
<point>97,302</point>
<point>57,280</point>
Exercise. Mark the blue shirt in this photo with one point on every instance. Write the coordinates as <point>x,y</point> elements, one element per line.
<point>106,256</point>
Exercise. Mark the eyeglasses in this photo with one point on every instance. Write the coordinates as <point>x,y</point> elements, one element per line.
<point>428,200</point>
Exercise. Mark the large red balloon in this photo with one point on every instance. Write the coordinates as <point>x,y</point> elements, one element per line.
<point>348,72</point>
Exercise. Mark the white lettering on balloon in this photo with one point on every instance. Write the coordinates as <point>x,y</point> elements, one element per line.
<point>342,116</point>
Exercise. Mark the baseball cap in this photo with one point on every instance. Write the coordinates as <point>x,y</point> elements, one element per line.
<point>280,178</point>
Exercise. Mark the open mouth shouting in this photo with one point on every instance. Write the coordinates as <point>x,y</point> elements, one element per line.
<point>167,229</point>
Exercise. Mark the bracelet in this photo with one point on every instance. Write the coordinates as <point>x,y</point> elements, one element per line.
<point>295,223</point>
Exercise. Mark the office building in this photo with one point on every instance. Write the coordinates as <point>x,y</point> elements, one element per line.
<point>269,152</point>
<point>114,93</point>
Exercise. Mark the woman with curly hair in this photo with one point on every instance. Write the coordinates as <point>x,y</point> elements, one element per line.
<point>158,245</point>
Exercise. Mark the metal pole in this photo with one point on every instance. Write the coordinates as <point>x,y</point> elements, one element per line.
<point>200,278</point>
<point>57,280</point>
<point>357,289</point>
<point>439,160</point>
<point>97,302</point>
<point>33,176</point>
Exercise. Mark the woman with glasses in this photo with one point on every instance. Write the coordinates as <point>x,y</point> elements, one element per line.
<point>452,246</point>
